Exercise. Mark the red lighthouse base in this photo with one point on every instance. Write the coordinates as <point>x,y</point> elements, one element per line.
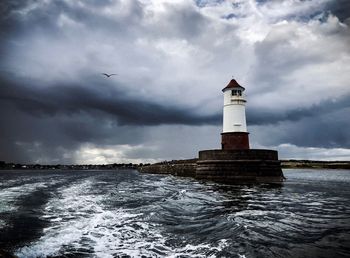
<point>235,141</point>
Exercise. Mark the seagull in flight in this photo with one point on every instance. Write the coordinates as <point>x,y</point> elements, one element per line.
<point>109,75</point>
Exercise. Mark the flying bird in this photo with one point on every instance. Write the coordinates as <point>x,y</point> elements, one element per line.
<point>109,75</point>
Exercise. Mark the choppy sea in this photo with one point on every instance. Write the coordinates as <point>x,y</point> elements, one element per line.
<point>128,214</point>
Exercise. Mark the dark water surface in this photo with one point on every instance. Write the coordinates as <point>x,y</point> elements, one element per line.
<point>118,213</point>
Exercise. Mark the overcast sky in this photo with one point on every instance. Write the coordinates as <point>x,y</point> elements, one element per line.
<point>172,59</point>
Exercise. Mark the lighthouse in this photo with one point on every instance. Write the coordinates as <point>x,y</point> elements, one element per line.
<point>234,135</point>
<point>235,162</point>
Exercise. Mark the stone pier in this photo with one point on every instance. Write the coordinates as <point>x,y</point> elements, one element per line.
<point>226,166</point>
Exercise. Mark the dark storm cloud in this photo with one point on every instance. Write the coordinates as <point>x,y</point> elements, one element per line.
<point>112,103</point>
<point>52,100</point>
<point>60,118</point>
<point>266,117</point>
<point>328,131</point>
<point>6,7</point>
<point>8,23</point>
<point>46,119</point>
<point>323,130</point>
<point>46,122</point>
<point>340,8</point>
<point>72,99</point>
<point>22,17</point>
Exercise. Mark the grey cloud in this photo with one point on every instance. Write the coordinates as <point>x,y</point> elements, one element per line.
<point>323,125</point>
<point>72,99</point>
<point>61,118</point>
<point>340,8</point>
<point>46,118</point>
<point>27,138</point>
<point>265,117</point>
<point>328,131</point>
<point>278,57</point>
<point>24,17</point>
<point>186,21</point>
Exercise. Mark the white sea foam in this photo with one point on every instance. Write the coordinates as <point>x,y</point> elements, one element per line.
<point>80,220</point>
<point>10,195</point>
<point>154,216</point>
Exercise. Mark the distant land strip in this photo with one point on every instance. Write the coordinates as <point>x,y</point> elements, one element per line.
<point>315,164</point>
<point>292,163</point>
<point>287,164</point>
<point>187,167</point>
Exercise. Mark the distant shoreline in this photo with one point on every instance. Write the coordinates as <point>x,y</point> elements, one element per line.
<point>113,166</point>
<point>285,164</point>
<point>315,164</point>
<point>187,167</point>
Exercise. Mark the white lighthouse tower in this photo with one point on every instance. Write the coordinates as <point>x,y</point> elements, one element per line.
<point>234,135</point>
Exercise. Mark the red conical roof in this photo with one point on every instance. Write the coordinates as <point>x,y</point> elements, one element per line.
<point>233,84</point>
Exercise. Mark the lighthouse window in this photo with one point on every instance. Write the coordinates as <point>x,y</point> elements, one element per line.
<point>236,93</point>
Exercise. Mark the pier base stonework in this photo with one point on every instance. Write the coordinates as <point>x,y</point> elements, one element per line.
<point>239,166</point>
<point>235,141</point>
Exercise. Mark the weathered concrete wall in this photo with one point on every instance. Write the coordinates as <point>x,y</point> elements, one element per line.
<point>252,154</point>
<point>239,166</point>
<point>238,171</point>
